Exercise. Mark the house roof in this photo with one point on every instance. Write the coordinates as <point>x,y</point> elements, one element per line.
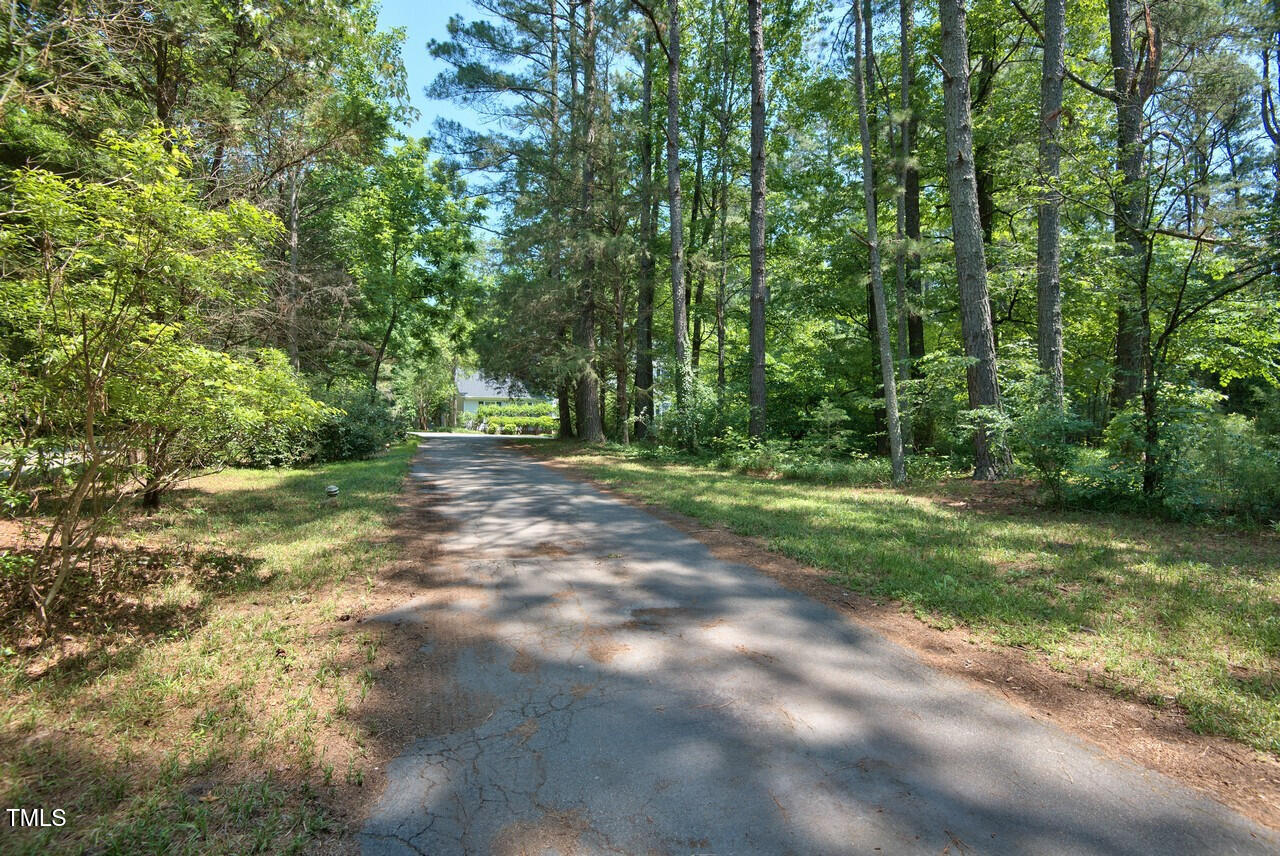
<point>473,385</point>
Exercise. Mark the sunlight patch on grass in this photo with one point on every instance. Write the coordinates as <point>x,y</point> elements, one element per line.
<point>219,733</point>
<point>1161,612</point>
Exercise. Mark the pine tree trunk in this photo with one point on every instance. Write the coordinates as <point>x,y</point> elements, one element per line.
<point>644,297</point>
<point>587,398</point>
<point>291,283</point>
<point>1048,284</point>
<point>680,321</point>
<point>757,422</point>
<point>971,265</point>
<point>566,412</point>
<point>1129,206</point>
<point>620,362</point>
<point>873,245</point>
<point>910,208</point>
<point>906,15</point>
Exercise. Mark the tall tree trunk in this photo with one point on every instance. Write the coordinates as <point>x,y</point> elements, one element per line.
<point>904,264</point>
<point>910,208</point>
<point>291,284</point>
<point>382,351</point>
<point>620,360</point>
<point>1130,204</point>
<point>697,238</point>
<point>879,414</point>
<point>873,245</point>
<point>971,265</point>
<point>722,168</point>
<point>587,399</point>
<point>1048,284</point>
<point>1153,459</point>
<point>555,244</point>
<point>684,370</point>
<point>644,297</point>
<point>566,412</point>
<point>756,422</point>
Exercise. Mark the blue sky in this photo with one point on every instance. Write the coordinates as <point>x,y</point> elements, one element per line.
<point>423,21</point>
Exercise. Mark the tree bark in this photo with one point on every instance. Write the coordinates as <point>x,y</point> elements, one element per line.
<point>565,431</point>
<point>1130,204</point>
<point>555,246</point>
<point>971,265</point>
<point>698,223</point>
<point>756,337</point>
<point>684,370</point>
<point>723,169</point>
<point>644,297</point>
<point>906,13</point>
<point>1048,284</point>
<point>382,351</point>
<point>873,245</point>
<point>909,222</point>
<point>590,426</point>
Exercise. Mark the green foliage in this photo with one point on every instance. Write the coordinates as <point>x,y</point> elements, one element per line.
<point>403,232</point>
<point>827,434</point>
<point>104,307</point>
<point>538,408</point>
<point>1217,467</point>
<point>1226,469</point>
<point>15,566</point>
<point>361,422</point>
<point>521,425</point>
<point>1043,434</point>
<point>422,379</point>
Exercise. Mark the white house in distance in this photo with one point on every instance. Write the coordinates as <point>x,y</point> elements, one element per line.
<point>473,391</point>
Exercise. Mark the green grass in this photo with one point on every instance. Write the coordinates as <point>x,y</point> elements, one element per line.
<point>1161,612</point>
<point>208,703</point>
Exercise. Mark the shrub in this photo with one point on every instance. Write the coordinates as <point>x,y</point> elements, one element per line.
<point>827,432</point>
<point>360,424</point>
<point>277,445</point>
<point>1227,468</point>
<point>1042,435</point>
<point>521,425</point>
<point>536,408</point>
<point>1214,465</point>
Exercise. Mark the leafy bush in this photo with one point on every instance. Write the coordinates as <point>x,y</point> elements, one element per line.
<point>360,424</point>
<point>536,417</point>
<point>276,445</point>
<point>526,425</point>
<point>536,408</point>
<point>827,432</point>
<point>798,461</point>
<point>1042,435</point>
<point>1227,467</point>
<point>142,401</point>
<point>1215,466</point>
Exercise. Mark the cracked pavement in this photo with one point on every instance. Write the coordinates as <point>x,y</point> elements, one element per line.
<point>617,689</point>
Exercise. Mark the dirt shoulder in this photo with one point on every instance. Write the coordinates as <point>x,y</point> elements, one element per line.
<point>1159,739</point>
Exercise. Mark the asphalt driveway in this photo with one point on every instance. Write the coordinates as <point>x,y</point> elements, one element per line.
<point>633,694</point>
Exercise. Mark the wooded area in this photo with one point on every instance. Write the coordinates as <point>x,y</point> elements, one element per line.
<point>1115,322</point>
<point>215,245</point>
<point>218,249</point>
<point>966,314</point>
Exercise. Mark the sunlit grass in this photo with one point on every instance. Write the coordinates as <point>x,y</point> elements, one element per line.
<point>218,733</point>
<point>1162,612</point>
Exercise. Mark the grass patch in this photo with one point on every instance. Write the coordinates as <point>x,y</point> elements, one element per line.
<point>205,695</point>
<point>1167,613</point>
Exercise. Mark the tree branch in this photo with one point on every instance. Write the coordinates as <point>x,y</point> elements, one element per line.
<point>657,28</point>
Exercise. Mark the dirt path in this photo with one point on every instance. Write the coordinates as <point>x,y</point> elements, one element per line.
<point>595,681</point>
